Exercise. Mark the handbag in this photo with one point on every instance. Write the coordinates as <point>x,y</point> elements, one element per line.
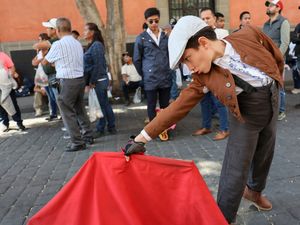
<point>94,106</point>
<point>40,77</point>
<point>138,95</point>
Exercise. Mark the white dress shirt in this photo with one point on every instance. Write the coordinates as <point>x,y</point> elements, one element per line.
<point>67,55</point>
<point>231,61</point>
<point>156,39</point>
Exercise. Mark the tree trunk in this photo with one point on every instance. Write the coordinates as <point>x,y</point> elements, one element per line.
<point>113,32</point>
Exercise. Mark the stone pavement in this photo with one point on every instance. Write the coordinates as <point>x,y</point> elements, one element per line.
<point>34,165</point>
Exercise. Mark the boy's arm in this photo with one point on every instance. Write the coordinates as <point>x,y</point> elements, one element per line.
<point>138,55</point>
<point>178,109</point>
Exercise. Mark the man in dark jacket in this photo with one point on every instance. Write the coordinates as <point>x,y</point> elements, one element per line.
<point>152,62</point>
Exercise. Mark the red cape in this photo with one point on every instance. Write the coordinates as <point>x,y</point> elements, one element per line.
<point>147,190</point>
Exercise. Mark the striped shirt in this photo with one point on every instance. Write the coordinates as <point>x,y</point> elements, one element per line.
<point>67,55</point>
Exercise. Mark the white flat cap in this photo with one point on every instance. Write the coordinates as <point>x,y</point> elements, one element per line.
<point>184,29</point>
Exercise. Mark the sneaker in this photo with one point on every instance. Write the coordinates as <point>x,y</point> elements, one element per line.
<point>75,148</point>
<point>98,134</point>
<point>66,136</point>
<point>3,128</point>
<point>163,136</point>
<point>89,141</point>
<point>295,91</point>
<point>21,127</point>
<point>281,116</point>
<point>64,129</point>
<point>51,118</point>
<point>112,131</point>
<point>38,113</point>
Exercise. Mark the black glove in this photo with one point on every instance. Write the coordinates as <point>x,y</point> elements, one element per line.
<point>134,147</point>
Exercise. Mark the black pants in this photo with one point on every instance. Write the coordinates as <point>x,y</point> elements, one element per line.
<point>163,95</point>
<point>16,117</point>
<point>130,86</point>
<point>250,148</point>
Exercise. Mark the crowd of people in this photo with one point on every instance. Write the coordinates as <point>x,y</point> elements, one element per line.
<point>232,78</point>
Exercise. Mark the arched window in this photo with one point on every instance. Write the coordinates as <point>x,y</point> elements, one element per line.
<point>179,8</point>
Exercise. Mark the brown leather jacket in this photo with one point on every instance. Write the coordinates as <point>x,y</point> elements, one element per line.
<point>255,49</point>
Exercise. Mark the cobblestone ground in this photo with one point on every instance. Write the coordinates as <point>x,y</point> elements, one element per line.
<point>34,165</point>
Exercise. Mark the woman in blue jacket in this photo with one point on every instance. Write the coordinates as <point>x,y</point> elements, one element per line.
<point>95,70</point>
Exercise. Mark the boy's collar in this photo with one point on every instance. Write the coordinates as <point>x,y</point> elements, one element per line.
<point>227,51</point>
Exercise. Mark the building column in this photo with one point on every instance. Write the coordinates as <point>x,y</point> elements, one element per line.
<point>222,6</point>
<point>163,6</point>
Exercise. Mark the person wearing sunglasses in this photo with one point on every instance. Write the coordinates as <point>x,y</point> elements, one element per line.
<point>152,63</point>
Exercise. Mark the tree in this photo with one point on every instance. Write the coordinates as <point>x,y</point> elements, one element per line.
<point>113,32</point>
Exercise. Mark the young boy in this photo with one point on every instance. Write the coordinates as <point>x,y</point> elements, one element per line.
<point>243,71</point>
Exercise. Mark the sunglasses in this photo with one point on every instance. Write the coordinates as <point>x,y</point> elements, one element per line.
<point>154,21</point>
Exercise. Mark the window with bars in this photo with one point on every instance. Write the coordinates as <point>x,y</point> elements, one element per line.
<point>179,8</point>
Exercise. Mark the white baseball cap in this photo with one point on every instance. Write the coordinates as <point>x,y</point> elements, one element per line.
<point>184,29</point>
<point>278,3</point>
<point>50,23</point>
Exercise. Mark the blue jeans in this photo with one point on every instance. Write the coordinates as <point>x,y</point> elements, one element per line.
<point>174,88</point>
<point>108,114</point>
<point>208,103</point>
<point>52,96</point>
<point>282,100</point>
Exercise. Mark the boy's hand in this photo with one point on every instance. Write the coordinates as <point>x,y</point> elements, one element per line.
<point>134,147</point>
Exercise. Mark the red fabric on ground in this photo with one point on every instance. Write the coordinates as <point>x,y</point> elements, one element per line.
<point>147,190</point>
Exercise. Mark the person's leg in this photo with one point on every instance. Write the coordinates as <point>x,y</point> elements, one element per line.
<point>174,88</point>
<point>265,148</point>
<point>151,103</point>
<point>125,90</point>
<point>296,75</point>
<point>206,110</point>
<point>82,117</point>
<point>164,97</point>
<point>256,110</point>
<point>223,114</point>
<point>4,117</point>
<point>108,114</point>
<point>282,100</point>
<point>17,116</point>
<point>66,100</point>
<point>38,103</point>
<point>281,114</point>
<point>52,101</point>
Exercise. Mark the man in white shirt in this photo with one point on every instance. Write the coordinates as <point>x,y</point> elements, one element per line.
<point>67,55</point>
<point>131,79</point>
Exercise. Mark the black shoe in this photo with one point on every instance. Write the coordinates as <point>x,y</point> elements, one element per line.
<point>21,127</point>
<point>89,141</point>
<point>112,131</point>
<point>98,134</point>
<point>72,148</point>
<point>127,103</point>
<point>51,118</point>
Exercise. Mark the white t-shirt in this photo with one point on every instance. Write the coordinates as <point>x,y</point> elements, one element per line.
<point>129,69</point>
